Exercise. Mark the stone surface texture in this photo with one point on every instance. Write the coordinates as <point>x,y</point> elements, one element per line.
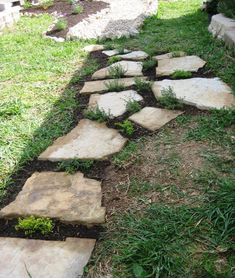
<point>113,104</point>
<point>114,52</point>
<point>204,93</point>
<point>130,69</point>
<point>88,140</point>
<point>154,118</point>
<point>134,55</point>
<point>93,47</point>
<point>57,195</point>
<point>187,63</point>
<point>8,17</point>
<point>101,85</point>
<point>169,55</point>
<point>42,258</point>
<point>229,38</point>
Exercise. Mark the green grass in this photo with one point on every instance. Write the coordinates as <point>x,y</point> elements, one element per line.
<point>116,71</point>
<point>126,155</point>
<point>181,74</point>
<point>96,114</point>
<point>142,85</point>
<point>114,86</point>
<point>168,99</point>
<point>133,106</point>
<point>72,166</point>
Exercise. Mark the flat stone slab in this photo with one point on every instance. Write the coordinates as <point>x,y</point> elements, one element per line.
<point>101,85</point>
<point>204,93</point>
<point>130,69</point>
<point>169,55</point>
<point>229,38</point>
<point>187,63</point>
<point>88,140</point>
<point>154,118</point>
<point>93,48</point>
<point>220,24</point>
<point>58,195</point>
<point>24,258</point>
<point>113,104</point>
<point>134,55</point>
<point>114,52</point>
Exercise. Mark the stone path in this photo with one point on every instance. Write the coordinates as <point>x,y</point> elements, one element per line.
<point>77,199</point>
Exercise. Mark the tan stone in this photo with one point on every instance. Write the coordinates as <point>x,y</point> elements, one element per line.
<point>154,118</point>
<point>204,93</point>
<point>169,55</point>
<point>113,104</point>
<point>57,195</point>
<point>134,55</point>
<point>130,69</point>
<point>101,85</point>
<point>187,63</point>
<point>93,48</point>
<point>220,24</point>
<point>88,140</point>
<point>24,258</point>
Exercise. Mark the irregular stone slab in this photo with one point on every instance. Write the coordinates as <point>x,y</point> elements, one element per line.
<point>204,93</point>
<point>57,195</point>
<point>113,52</point>
<point>93,48</point>
<point>101,85</point>
<point>220,24</point>
<point>24,258</point>
<point>187,63</point>
<point>229,38</point>
<point>88,140</point>
<point>169,55</point>
<point>134,55</point>
<point>154,118</point>
<point>130,69</point>
<point>113,104</point>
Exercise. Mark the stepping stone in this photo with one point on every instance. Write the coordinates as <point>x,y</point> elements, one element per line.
<point>58,195</point>
<point>88,140</point>
<point>23,258</point>
<point>113,52</point>
<point>187,63</point>
<point>204,93</point>
<point>169,55</point>
<point>130,68</point>
<point>220,24</point>
<point>154,118</point>
<point>113,104</point>
<point>134,55</point>
<point>93,48</point>
<point>101,85</point>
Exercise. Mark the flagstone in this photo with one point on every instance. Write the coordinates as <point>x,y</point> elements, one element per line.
<point>23,258</point>
<point>113,104</point>
<point>130,69</point>
<point>204,93</point>
<point>154,118</point>
<point>187,63</point>
<point>169,55</point>
<point>58,195</point>
<point>93,48</point>
<point>88,140</point>
<point>134,55</point>
<point>101,85</point>
<point>114,52</point>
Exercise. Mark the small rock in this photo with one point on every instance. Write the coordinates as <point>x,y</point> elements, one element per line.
<point>93,48</point>
<point>135,55</point>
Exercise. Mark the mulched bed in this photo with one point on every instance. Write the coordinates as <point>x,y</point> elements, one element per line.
<point>66,9</point>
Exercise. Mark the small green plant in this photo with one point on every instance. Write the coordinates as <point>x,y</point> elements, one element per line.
<point>169,100</point>
<point>96,114</point>
<point>77,9</point>
<point>61,24</point>
<point>72,166</point>
<point>149,64</point>
<point>127,155</point>
<point>176,54</point>
<point>31,225</point>
<point>114,86</point>
<point>133,106</point>
<point>113,59</point>
<point>126,127</point>
<point>142,85</point>
<point>12,108</point>
<point>116,71</point>
<point>72,2</point>
<point>27,5</point>
<point>181,74</point>
<point>45,4</point>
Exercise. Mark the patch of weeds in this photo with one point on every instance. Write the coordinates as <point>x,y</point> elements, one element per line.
<point>126,155</point>
<point>45,4</point>
<point>142,85</point>
<point>61,24</point>
<point>31,225</point>
<point>149,64</point>
<point>113,59</point>
<point>181,74</point>
<point>176,54</point>
<point>88,69</point>
<point>96,114</point>
<point>183,119</point>
<point>207,178</point>
<point>72,2</point>
<point>114,86</point>
<point>12,108</point>
<point>27,5</point>
<point>133,106</point>
<point>77,9</point>
<point>116,71</point>
<point>138,187</point>
<point>72,166</point>
<point>126,127</point>
<point>168,99</point>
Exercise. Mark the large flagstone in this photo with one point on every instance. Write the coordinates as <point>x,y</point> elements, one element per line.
<point>88,140</point>
<point>58,195</point>
<point>130,68</point>
<point>204,93</point>
<point>24,258</point>
<point>154,118</point>
<point>186,63</point>
<point>134,55</point>
<point>113,104</point>
<point>93,48</point>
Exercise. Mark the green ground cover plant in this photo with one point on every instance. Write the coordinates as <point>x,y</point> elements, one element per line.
<point>77,9</point>
<point>133,106</point>
<point>72,166</point>
<point>181,74</point>
<point>114,86</point>
<point>126,127</point>
<point>96,114</point>
<point>116,71</point>
<point>61,24</point>
<point>142,85</point>
<point>168,99</point>
<point>113,59</point>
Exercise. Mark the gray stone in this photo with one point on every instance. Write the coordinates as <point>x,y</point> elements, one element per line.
<point>130,69</point>
<point>204,93</point>
<point>220,25</point>
<point>113,52</point>
<point>24,258</point>
<point>154,118</point>
<point>93,48</point>
<point>113,104</point>
<point>57,195</point>
<point>187,63</point>
<point>134,55</point>
<point>101,85</point>
<point>229,38</point>
<point>88,140</point>
<point>169,55</point>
